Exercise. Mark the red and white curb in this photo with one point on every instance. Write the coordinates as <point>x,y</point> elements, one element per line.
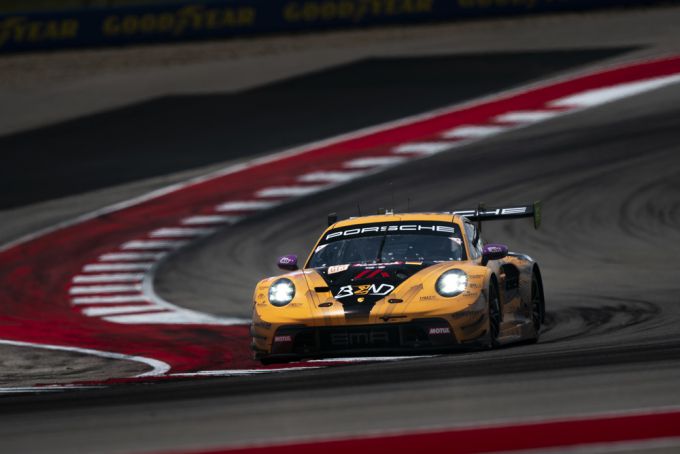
<point>88,284</point>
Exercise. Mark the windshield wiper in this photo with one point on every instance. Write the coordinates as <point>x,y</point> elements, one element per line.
<point>380,250</point>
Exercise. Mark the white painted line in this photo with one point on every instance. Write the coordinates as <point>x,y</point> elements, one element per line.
<point>528,116</point>
<point>157,367</point>
<point>245,205</point>
<point>112,310</point>
<point>175,316</point>
<point>289,191</point>
<point>95,289</point>
<point>131,256</point>
<point>473,131</point>
<point>44,389</point>
<point>110,299</point>
<point>153,244</point>
<point>98,267</point>
<point>211,219</point>
<point>601,96</point>
<point>99,278</point>
<point>375,161</point>
<point>236,372</point>
<point>363,359</point>
<point>181,232</point>
<point>331,176</point>
<point>424,148</point>
<point>154,318</point>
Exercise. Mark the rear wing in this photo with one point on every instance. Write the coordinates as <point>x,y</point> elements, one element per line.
<point>483,213</point>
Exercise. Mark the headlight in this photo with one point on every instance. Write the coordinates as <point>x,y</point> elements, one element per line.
<point>451,283</point>
<point>281,292</point>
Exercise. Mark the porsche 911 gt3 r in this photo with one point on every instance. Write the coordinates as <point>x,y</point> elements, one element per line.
<point>400,283</point>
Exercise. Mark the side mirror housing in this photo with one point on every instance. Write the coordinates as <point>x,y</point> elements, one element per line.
<point>493,252</point>
<point>288,262</point>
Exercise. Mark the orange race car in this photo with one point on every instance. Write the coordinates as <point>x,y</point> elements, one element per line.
<point>400,283</point>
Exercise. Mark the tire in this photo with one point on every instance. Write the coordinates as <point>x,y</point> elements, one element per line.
<point>267,361</point>
<point>537,304</point>
<point>494,314</point>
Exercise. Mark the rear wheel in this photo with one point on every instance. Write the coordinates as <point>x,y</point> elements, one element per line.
<point>494,314</point>
<point>536,304</point>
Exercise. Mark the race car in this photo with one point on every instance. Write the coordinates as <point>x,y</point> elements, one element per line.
<point>400,284</point>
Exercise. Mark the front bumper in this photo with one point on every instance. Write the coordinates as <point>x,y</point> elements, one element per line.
<point>291,342</point>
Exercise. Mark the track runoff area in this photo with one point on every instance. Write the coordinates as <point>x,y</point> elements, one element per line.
<point>87,286</point>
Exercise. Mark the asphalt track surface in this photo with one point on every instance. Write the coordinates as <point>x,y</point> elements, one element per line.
<point>177,133</point>
<point>610,181</point>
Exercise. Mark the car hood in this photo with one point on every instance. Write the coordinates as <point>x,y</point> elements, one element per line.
<point>359,286</point>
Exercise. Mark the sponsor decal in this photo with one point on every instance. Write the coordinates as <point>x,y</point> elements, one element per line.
<point>325,11</point>
<point>372,274</point>
<point>359,338</point>
<point>439,331</point>
<point>191,18</point>
<point>373,266</point>
<point>337,268</point>
<point>287,260</point>
<point>496,212</point>
<point>286,338</point>
<point>391,228</point>
<point>19,30</point>
<point>427,298</point>
<point>364,290</point>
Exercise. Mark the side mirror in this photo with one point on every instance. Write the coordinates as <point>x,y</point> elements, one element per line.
<point>493,252</point>
<point>289,262</point>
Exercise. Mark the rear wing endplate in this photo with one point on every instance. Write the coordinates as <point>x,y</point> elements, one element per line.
<point>483,213</point>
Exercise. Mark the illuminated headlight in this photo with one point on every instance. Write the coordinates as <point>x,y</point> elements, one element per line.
<point>451,283</point>
<point>281,292</point>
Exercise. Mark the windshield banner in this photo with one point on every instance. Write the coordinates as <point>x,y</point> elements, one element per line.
<point>387,228</point>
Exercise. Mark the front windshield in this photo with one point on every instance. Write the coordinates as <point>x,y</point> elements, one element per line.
<point>375,246</point>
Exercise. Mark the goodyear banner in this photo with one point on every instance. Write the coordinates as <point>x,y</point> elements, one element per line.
<point>113,26</point>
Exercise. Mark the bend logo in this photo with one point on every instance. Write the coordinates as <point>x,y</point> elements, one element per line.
<point>363,290</point>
